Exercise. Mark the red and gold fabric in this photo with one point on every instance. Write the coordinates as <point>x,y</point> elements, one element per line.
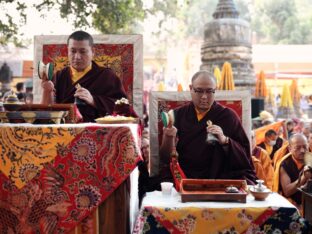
<point>218,220</point>
<point>88,162</point>
<point>177,173</point>
<point>24,151</point>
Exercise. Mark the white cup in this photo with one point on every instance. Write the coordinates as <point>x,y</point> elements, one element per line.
<point>166,188</point>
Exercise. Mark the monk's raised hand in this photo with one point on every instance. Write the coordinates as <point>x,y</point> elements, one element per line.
<point>170,131</point>
<point>85,95</point>
<point>47,85</point>
<point>307,172</point>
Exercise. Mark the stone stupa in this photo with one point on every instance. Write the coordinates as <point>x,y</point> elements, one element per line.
<point>228,38</point>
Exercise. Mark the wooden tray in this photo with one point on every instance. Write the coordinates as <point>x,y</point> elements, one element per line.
<point>212,190</point>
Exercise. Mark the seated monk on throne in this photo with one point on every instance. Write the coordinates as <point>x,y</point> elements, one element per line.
<point>229,157</point>
<point>96,88</point>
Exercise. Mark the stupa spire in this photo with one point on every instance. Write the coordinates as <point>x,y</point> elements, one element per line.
<point>225,9</point>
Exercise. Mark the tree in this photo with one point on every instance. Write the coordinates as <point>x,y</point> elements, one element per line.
<point>113,16</point>
<point>9,28</point>
<point>282,21</point>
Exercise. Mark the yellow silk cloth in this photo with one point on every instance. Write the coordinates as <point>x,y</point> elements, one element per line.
<point>210,220</point>
<point>24,150</point>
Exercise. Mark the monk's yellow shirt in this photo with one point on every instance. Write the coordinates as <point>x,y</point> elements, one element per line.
<point>77,75</point>
<point>200,115</point>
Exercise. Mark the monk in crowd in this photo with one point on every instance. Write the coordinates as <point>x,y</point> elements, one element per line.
<point>293,173</point>
<point>229,157</point>
<point>262,163</point>
<point>98,87</point>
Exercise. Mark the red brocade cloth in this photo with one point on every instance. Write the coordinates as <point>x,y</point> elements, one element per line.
<point>66,189</point>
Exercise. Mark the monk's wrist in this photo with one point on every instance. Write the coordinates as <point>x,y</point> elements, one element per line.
<point>225,140</point>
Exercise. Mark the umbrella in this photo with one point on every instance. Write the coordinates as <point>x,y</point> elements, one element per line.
<point>294,91</point>
<point>261,89</point>
<point>286,100</point>
<point>227,81</point>
<point>217,74</point>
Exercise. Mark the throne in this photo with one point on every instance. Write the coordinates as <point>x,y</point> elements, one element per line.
<point>122,53</point>
<point>239,101</point>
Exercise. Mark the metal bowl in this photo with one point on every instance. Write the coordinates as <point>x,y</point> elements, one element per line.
<point>259,196</point>
<point>12,106</point>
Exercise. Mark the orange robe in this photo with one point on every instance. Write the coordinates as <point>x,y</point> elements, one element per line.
<point>280,153</point>
<point>276,181</point>
<point>263,166</point>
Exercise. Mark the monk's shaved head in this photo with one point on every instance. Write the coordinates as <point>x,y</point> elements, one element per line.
<point>202,89</point>
<point>295,137</point>
<point>298,146</point>
<point>204,74</point>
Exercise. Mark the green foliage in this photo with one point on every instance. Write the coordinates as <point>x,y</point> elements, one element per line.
<point>9,28</point>
<point>282,21</point>
<point>273,21</point>
<point>108,16</point>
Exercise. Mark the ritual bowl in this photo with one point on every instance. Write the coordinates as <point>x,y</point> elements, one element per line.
<point>12,106</point>
<point>259,195</point>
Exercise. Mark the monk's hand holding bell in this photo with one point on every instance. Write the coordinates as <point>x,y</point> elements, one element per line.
<point>218,132</point>
<point>85,95</point>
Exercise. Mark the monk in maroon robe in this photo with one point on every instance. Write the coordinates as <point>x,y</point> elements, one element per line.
<point>293,173</point>
<point>98,87</point>
<point>229,157</point>
<point>102,83</point>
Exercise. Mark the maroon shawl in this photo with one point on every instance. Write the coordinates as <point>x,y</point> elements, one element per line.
<point>200,160</point>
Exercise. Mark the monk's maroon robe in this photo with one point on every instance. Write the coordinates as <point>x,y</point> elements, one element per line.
<point>102,83</point>
<point>201,160</point>
<point>293,172</point>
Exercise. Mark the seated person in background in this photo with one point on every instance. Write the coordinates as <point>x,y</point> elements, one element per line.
<point>100,87</point>
<point>272,142</point>
<point>29,98</point>
<point>299,126</point>
<point>229,157</point>
<point>262,163</point>
<point>306,131</point>
<point>20,91</point>
<point>292,172</point>
<point>290,128</point>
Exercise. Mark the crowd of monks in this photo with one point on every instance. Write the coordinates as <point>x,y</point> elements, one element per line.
<point>272,155</point>
<point>269,152</point>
